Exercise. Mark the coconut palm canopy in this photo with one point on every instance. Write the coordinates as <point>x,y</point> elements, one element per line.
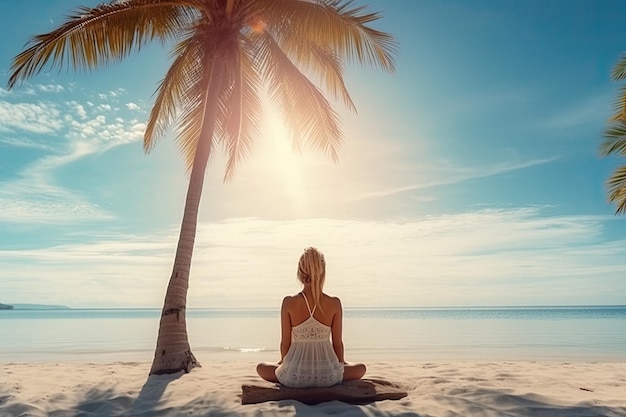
<point>226,55</point>
<point>289,47</point>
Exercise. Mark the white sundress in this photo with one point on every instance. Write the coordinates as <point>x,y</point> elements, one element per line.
<point>311,360</point>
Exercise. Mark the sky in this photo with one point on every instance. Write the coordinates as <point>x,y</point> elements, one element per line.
<point>469,177</point>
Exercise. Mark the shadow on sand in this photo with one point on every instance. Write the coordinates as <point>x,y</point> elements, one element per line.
<point>464,401</point>
<point>111,403</point>
<point>494,403</point>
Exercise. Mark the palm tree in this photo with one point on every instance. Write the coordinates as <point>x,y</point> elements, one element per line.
<point>614,142</point>
<point>226,55</point>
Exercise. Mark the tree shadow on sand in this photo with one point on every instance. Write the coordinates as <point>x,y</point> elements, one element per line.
<point>150,402</point>
<point>463,401</point>
<point>489,401</point>
<point>110,402</point>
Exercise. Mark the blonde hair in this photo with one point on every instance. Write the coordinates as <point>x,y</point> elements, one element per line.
<point>312,269</point>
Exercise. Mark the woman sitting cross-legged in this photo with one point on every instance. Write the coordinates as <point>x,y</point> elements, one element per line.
<point>309,320</point>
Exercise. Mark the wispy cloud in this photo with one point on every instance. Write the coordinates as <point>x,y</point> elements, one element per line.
<point>474,258</point>
<point>76,130</point>
<point>455,175</point>
<point>23,142</point>
<point>594,110</point>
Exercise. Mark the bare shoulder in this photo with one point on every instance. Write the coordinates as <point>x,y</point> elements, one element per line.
<point>333,302</point>
<point>289,300</point>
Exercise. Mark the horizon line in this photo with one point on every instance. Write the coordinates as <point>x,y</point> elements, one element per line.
<point>64,307</point>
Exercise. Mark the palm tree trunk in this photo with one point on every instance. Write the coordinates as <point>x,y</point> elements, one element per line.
<point>173,353</point>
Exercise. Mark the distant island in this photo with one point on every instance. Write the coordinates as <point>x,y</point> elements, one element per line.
<point>33,307</point>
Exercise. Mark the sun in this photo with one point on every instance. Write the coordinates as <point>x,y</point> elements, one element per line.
<point>286,163</point>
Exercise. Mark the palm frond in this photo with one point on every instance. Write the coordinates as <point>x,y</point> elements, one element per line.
<point>619,70</point>
<point>194,106</point>
<point>619,106</point>
<point>322,62</point>
<point>614,139</point>
<point>92,37</point>
<point>185,68</point>
<point>337,24</point>
<point>192,110</point>
<point>616,187</point>
<point>243,109</point>
<point>308,113</point>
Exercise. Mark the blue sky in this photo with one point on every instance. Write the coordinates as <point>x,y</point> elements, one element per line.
<point>471,176</point>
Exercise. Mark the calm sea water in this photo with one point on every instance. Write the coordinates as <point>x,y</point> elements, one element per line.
<point>421,334</point>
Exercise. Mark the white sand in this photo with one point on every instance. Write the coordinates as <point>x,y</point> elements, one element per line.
<point>435,389</point>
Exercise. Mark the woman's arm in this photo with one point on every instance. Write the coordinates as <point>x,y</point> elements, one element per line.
<point>285,330</point>
<point>336,329</point>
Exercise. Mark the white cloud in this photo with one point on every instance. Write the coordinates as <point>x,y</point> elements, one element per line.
<point>40,118</point>
<point>49,209</point>
<point>79,109</point>
<point>50,88</point>
<point>132,106</point>
<point>66,132</point>
<point>594,110</point>
<point>458,175</point>
<point>25,142</point>
<point>485,257</point>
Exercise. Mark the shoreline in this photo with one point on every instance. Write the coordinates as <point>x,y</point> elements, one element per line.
<point>436,388</point>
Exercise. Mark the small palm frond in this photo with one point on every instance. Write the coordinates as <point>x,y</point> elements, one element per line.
<point>619,70</point>
<point>619,107</point>
<point>308,113</point>
<point>336,24</point>
<point>243,109</point>
<point>192,112</point>
<point>92,37</point>
<point>171,91</point>
<point>188,132</point>
<point>614,142</point>
<point>616,187</point>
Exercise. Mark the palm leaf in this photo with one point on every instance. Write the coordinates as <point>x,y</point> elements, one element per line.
<point>193,106</point>
<point>619,107</point>
<point>243,108</point>
<point>619,70</point>
<point>614,139</point>
<point>171,91</point>
<point>93,37</point>
<point>321,61</point>
<point>336,24</point>
<point>308,113</point>
<point>616,186</point>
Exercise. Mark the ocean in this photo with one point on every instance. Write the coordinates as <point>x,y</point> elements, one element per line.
<point>572,333</point>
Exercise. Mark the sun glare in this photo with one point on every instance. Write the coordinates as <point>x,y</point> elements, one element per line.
<point>285,163</point>
<point>257,25</point>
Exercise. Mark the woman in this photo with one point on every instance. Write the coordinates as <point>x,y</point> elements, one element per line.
<point>308,321</point>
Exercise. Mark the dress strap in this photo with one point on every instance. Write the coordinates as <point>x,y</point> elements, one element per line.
<point>308,306</point>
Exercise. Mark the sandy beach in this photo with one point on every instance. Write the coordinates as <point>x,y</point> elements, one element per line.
<point>467,388</point>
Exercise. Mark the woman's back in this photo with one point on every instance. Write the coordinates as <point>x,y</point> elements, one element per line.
<point>309,321</point>
<point>311,360</point>
<point>300,306</point>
